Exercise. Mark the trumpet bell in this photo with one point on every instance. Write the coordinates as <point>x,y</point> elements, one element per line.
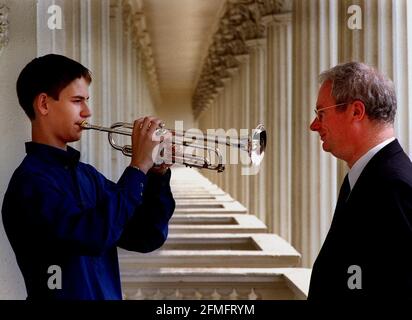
<point>257,145</point>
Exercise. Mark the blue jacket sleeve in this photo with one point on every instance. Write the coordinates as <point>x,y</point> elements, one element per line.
<point>88,226</point>
<point>147,230</point>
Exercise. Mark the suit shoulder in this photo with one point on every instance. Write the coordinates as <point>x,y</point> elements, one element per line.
<point>398,167</point>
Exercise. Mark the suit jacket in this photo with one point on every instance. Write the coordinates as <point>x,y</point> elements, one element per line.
<point>372,229</point>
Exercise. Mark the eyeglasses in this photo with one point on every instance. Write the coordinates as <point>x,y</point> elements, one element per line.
<point>319,114</point>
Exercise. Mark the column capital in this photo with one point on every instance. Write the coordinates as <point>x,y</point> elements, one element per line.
<point>274,7</point>
<point>115,6</point>
<point>126,15</point>
<point>277,19</point>
<point>142,41</point>
<point>243,58</point>
<point>134,24</point>
<point>245,18</point>
<point>127,8</point>
<point>256,43</point>
<point>4,26</point>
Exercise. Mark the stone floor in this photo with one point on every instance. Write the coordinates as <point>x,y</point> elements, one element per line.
<point>215,250</point>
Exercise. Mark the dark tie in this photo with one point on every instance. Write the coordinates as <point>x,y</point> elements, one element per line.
<point>343,193</point>
<point>342,198</point>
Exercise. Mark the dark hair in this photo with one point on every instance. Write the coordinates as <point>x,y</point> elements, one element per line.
<point>49,74</point>
<point>357,81</point>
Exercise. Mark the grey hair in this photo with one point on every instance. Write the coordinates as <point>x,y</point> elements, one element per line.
<point>357,81</point>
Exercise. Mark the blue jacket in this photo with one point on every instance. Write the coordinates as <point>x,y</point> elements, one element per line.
<point>58,211</point>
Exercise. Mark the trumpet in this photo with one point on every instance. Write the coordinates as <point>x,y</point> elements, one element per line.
<point>254,144</point>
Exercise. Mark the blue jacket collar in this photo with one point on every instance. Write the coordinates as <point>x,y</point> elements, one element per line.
<point>53,154</point>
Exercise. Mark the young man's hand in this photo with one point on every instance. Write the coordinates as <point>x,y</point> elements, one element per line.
<point>160,169</point>
<point>143,143</point>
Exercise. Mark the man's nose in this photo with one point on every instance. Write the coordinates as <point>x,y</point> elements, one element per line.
<point>315,125</point>
<point>86,113</point>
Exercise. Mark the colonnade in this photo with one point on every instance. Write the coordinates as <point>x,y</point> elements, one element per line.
<point>263,66</point>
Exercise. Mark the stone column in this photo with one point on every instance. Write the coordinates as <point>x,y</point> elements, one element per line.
<point>145,75</point>
<point>87,41</point>
<point>127,59</point>
<point>116,90</point>
<point>237,124</point>
<point>138,109</point>
<point>314,173</point>
<point>86,144</point>
<point>234,126</point>
<point>244,90</point>
<point>72,28</point>
<point>229,117</point>
<point>257,97</point>
<point>382,38</point>
<point>226,123</point>
<point>101,85</point>
<point>278,157</point>
<point>18,28</point>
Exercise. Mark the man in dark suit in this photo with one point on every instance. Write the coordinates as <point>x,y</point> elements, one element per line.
<point>367,253</point>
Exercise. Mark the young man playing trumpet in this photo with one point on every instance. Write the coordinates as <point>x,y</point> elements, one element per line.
<point>61,213</point>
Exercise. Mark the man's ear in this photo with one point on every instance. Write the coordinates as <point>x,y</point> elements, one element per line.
<point>359,110</point>
<point>41,105</point>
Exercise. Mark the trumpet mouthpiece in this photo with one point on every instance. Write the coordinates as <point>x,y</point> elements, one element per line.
<point>83,124</point>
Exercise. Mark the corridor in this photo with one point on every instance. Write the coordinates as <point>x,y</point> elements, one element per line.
<point>225,66</point>
<point>216,250</point>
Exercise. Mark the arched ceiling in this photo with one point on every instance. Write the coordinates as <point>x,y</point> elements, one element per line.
<point>180,33</point>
